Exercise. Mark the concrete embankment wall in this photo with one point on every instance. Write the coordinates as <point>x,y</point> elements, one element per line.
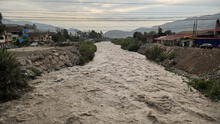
<point>43,60</point>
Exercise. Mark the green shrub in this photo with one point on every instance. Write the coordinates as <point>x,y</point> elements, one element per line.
<point>158,54</point>
<point>118,41</point>
<point>171,55</point>
<point>129,43</point>
<point>87,52</point>
<point>12,79</point>
<point>209,88</point>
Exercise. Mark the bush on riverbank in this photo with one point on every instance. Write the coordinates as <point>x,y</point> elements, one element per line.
<point>118,41</point>
<point>12,80</point>
<point>158,54</point>
<point>129,44</point>
<point>209,88</point>
<point>87,52</point>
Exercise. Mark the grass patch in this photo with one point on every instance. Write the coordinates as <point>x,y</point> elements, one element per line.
<point>12,80</point>
<point>209,88</point>
<point>87,52</point>
<point>158,54</point>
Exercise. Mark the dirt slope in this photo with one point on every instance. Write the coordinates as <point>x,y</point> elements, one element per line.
<point>118,87</point>
<point>197,61</point>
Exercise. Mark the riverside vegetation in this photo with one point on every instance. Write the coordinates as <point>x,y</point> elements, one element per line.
<point>210,87</point>
<point>129,44</point>
<point>87,52</point>
<point>14,81</point>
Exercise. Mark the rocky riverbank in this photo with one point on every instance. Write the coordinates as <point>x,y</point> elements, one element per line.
<point>39,60</point>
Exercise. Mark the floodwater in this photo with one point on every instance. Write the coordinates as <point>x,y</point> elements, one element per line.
<point>117,87</point>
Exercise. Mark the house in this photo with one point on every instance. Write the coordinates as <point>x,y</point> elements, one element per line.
<point>28,29</point>
<point>34,37</point>
<point>46,36</point>
<point>40,36</point>
<point>13,32</point>
<point>19,33</point>
<point>182,39</point>
<point>8,37</point>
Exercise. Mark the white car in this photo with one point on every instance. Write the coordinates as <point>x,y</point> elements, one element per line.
<point>206,46</point>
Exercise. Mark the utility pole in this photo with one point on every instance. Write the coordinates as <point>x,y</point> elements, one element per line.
<point>195,26</point>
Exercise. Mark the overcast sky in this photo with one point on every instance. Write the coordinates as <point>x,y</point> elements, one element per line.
<point>106,14</point>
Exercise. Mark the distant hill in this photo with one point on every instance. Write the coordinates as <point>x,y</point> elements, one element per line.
<point>40,26</point>
<point>117,34</point>
<point>176,26</point>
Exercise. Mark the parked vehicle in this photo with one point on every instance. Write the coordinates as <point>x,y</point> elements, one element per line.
<point>34,44</point>
<point>206,46</point>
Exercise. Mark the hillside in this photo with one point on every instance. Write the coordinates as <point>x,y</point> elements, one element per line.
<point>40,26</point>
<point>176,26</point>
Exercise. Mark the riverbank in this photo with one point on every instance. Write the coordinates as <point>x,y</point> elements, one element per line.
<point>119,87</point>
<point>201,66</point>
<point>19,66</point>
<point>37,60</point>
<point>192,60</point>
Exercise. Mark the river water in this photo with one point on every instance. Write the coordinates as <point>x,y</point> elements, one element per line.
<point>117,87</point>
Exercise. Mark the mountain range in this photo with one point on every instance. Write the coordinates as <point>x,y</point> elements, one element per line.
<point>204,22</point>
<point>40,26</point>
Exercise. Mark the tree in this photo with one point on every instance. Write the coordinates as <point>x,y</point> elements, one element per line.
<point>58,37</point>
<point>1,18</point>
<point>66,34</point>
<point>138,36</point>
<point>160,31</point>
<point>168,32</point>
<point>100,35</point>
<point>93,34</point>
<point>2,27</point>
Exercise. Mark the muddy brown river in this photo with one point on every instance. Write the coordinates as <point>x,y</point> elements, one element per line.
<point>117,87</point>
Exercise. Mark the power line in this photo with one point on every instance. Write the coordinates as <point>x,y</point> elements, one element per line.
<point>93,12</point>
<point>72,18</point>
<point>70,13</point>
<point>76,17</point>
<point>95,2</point>
<point>161,12</point>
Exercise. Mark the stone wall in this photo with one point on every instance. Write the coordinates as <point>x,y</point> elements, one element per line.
<point>44,61</point>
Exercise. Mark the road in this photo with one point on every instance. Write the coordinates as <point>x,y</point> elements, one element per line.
<point>117,87</point>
